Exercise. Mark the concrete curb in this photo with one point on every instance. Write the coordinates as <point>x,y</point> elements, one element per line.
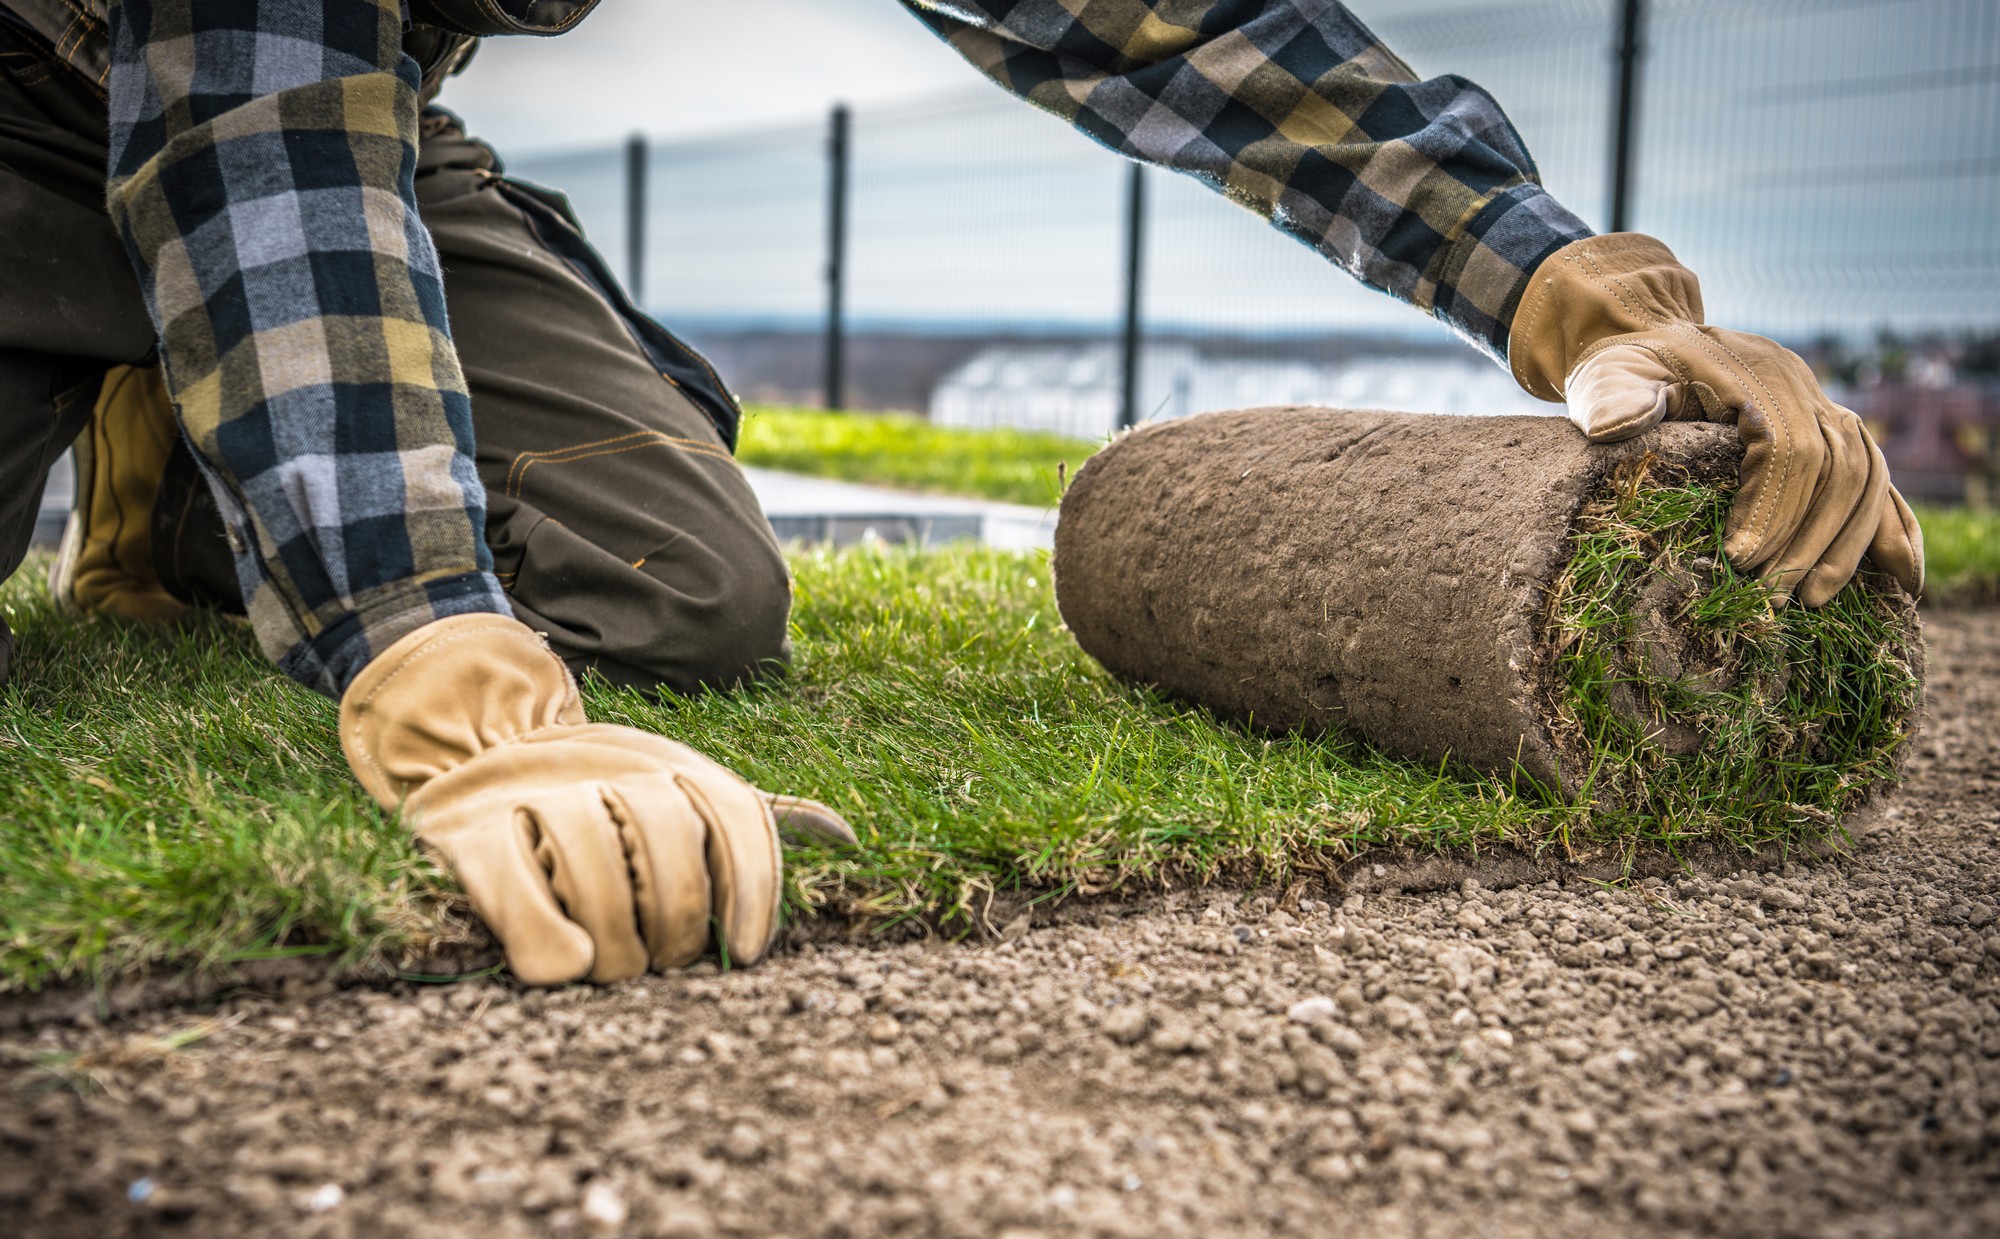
<point>819,510</point>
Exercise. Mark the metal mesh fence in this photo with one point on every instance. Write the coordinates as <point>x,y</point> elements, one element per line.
<point>1830,166</point>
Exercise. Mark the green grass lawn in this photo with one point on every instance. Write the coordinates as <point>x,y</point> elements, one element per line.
<point>1961,555</point>
<point>899,450</point>
<point>170,801</point>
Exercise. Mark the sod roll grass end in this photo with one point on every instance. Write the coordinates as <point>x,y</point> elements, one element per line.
<point>1496,592</point>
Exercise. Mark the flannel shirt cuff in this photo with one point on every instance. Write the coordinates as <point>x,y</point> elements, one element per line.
<point>329,659</point>
<point>1479,275</point>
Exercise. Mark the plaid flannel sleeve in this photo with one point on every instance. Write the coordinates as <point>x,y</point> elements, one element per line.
<point>262,165</point>
<point>1292,108</point>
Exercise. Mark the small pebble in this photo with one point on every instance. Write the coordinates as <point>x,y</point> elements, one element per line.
<point>883,1029</point>
<point>603,1207</point>
<point>1314,1010</point>
<point>744,1143</point>
<point>683,1221</point>
<point>322,1198</point>
<point>1126,1024</point>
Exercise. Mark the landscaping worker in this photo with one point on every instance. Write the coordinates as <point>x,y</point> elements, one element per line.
<point>244,211</point>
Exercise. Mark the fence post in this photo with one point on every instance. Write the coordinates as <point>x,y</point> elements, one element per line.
<point>1625,105</point>
<point>1135,262</point>
<point>836,256</point>
<point>635,218</point>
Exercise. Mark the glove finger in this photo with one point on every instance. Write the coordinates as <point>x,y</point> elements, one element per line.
<point>581,849</point>
<point>1898,548</point>
<point>1836,564</point>
<point>1843,484</point>
<point>801,820</point>
<point>745,863</point>
<point>510,891</point>
<point>1619,392</point>
<point>665,841</point>
<point>1784,455</point>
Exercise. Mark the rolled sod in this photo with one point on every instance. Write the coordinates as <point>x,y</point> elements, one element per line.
<point>1497,592</point>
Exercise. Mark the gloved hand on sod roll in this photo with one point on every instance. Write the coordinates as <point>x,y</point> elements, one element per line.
<point>1612,325</point>
<point>590,850</point>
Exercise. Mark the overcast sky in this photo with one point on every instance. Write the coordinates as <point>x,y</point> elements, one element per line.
<point>695,66</point>
<point>699,66</point>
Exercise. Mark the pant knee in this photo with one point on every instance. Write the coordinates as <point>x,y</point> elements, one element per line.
<point>747,634</point>
<point>696,633</point>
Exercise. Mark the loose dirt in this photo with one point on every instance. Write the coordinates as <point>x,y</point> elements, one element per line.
<point>1809,1051</point>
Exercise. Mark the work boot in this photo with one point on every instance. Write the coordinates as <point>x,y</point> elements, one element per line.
<point>141,503</point>
<point>105,562</point>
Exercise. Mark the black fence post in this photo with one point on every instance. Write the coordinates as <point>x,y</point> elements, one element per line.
<point>635,218</point>
<point>1625,106</point>
<point>836,257</point>
<point>1135,262</point>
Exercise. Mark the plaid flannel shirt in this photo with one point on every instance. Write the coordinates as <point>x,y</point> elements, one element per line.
<point>262,165</point>
<point>1293,109</point>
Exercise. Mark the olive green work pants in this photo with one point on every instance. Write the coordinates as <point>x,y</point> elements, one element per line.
<point>619,522</point>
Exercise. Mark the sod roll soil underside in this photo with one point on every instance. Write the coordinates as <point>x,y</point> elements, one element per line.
<point>1485,590</point>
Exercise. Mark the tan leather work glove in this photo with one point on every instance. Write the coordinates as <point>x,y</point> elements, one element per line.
<point>105,563</point>
<point>588,849</point>
<point>1612,325</point>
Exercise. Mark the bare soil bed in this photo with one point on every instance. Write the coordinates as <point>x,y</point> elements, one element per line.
<point>1813,1050</point>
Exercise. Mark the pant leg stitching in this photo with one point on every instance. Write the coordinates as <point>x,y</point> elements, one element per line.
<point>566,454</point>
<point>518,476</point>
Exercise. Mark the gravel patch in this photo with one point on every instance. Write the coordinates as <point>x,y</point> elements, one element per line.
<point>1807,1050</point>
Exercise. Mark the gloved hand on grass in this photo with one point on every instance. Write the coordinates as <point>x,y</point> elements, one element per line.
<point>1612,325</point>
<point>590,850</point>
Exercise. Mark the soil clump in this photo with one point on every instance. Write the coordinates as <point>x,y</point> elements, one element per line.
<point>1811,1050</point>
